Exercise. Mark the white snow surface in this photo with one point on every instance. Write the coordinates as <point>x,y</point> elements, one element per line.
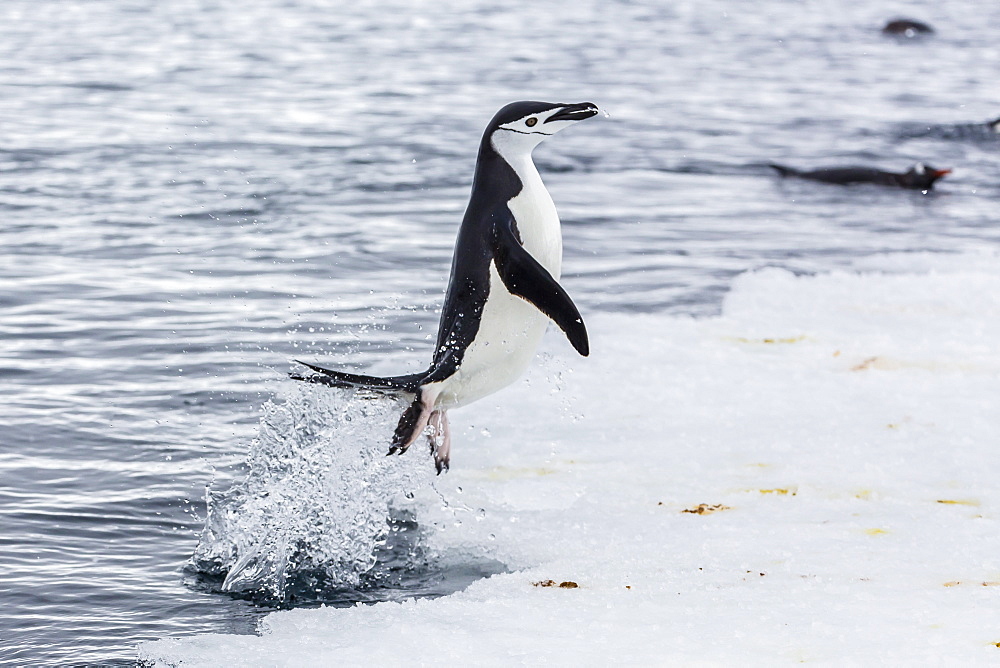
<point>848,423</point>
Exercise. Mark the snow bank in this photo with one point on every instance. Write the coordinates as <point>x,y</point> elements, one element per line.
<point>811,476</point>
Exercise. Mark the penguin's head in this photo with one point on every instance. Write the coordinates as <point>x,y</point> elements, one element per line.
<point>994,125</point>
<point>521,126</point>
<point>923,176</point>
<point>907,28</point>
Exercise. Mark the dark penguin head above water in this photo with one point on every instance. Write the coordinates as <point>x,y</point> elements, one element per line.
<point>906,28</point>
<point>521,126</point>
<point>921,176</point>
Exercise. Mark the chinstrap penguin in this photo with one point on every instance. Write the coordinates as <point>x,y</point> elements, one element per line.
<point>918,177</point>
<point>503,288</point>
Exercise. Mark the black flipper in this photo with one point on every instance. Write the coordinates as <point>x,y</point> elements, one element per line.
<point>526,278</point>
<point>388,385</point>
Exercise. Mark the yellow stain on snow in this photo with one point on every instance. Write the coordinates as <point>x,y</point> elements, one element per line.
<point>978,583</point>
<point>864,495</point>
<point>876,532</point>
<point>883,363</point>
<point>959,502</point>
<point>767,340</point>
<point>508,473</point>
<point>791,490</point>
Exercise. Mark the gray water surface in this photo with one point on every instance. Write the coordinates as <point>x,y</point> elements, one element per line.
<point>193,193</point>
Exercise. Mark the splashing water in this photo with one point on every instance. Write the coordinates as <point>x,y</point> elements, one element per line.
<point>316,500</point>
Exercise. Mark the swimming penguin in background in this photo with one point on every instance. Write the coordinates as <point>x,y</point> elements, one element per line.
<point>906,28</point>
<point>503,288</point>
<point>975,132</point>
<point>918,177</point>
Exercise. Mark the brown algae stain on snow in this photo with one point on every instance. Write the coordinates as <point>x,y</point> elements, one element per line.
<point>883,363</point>
<point>866,364</point>
<point>706,509</point>
<point>959,502</point>
<point>979,583</point>
<point>567,584</point>
<point>768,340</point>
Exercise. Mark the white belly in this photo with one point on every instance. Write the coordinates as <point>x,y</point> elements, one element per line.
<point>511,327</point>
<point>509,333</point>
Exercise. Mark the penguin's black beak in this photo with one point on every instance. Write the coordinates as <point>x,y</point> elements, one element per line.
<point>574,112</point>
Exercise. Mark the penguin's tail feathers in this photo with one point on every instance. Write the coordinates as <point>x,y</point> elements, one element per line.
<point>782,170</point>
<point>391,385</point>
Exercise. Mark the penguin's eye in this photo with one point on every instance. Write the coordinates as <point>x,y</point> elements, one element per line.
<point>531,122</point>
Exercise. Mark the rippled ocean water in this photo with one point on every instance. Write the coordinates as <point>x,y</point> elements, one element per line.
<point>194,193</point>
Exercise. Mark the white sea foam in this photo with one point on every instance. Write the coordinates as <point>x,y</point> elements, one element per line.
<point>316,497</point>
<point>810,476</point>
